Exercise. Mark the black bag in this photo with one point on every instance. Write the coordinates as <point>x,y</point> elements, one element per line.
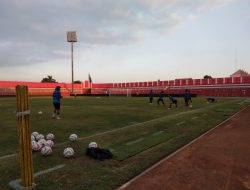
<point>99,153</point>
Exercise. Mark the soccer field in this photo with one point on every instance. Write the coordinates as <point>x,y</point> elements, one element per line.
<point>137,133</point>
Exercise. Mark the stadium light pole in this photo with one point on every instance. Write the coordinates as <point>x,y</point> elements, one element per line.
<point>71,37</point>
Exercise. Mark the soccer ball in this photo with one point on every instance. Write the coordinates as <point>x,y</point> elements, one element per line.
<point>49,143</point>
<point>36,146</point>
<point>46,150</point>
<point>50,136</point>
<point>68,152</point>
<point>42,142</point>
<point>93,145</point>
<point>190,106</point>
<point>73,137</point>
<point>35,134</point>
<point>39,136</point>
<point>40,112</point>
<point>32,138</point>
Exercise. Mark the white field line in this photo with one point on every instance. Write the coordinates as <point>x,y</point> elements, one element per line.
<point>142,124</point>
<point>135,141</point>
<point>158,133</point>
<point>133,122</point>
<point>174,153</point>
<point>180,123</point>
<point>7,156</point>
<point>15,184</point>
<point>247,100</point>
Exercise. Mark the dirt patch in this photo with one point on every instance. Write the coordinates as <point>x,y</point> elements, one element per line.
<point>220,160</point>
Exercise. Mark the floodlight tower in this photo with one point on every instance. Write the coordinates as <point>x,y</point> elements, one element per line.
<point>71,37</point>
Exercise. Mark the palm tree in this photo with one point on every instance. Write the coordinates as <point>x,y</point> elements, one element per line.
<point>49,78</point>
<point>207,77</point>
<point>77,82</point>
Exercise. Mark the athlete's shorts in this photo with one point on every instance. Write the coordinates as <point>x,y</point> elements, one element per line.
<point>57,105</point>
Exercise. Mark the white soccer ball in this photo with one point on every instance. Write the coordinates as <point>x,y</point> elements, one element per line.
<point>73,137</point>
<point>93,145</point>
<point>36,146</point>
<point>35,134</point>
<point>39,136</point>
<point>42,142</point>
<point>40,112</point>
<point>49,143</point>
<point>46,150</point>
<point>190,106</point>
<point>68,152</point>
<point>32,138</point>
<point>50,136</point>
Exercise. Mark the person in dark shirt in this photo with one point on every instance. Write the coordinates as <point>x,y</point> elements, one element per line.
<point>172,100</point>
<point>151,96</point>
<point>160,99</point>
<point>211,99</point>
<point>187,97</point>
<point>57,102</point>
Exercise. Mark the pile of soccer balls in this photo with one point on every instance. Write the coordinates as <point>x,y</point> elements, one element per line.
<point>42,144</point>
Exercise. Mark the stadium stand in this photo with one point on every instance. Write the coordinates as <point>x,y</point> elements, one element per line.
<point>238,86</point>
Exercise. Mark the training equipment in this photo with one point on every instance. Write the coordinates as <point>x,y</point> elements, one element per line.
<point>23,119</point>
<point>35,134</point>
<point>32,138</point>
<point>36,146</point>
<point>42,142</point>
<point>46,150</point>
<point>119,92</point>
<point>68,152</point>
<point>93,145</point>
<point>99,153</point>
<point>73,137</point>
<point>49,143</point>
<point>39,136</point>
<point>50,136</point>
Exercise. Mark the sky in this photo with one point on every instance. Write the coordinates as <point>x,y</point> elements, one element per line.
<point>123,40</point>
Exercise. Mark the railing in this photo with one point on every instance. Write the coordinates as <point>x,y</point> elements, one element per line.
<point>230,86</point>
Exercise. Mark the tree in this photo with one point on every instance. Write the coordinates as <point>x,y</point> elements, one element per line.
<point>49,78</point>
<point>77,82</point>
<point>207,77</point>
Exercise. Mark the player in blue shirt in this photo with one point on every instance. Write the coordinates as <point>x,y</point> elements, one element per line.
<point>211,99</point>
<point>160,99</point>
<point>187,97</point>
<point>57,102</point>
<point>172,100</point>
<point>151,96</point>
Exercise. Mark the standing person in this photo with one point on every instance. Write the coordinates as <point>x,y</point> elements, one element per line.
<point>57,102</point>
<point>160,99</point>
<point>151,96</point>
<point>172,100</point>
<point>187,97</point>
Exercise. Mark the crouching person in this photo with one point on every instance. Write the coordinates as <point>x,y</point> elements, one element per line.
<point>172,100</point>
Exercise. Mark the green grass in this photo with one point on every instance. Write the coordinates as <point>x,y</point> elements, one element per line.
<point>138,134</point>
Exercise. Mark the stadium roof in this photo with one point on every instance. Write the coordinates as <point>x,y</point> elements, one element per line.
<point>240,73</point>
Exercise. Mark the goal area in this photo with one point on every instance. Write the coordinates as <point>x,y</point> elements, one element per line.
<point>119,92</point>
